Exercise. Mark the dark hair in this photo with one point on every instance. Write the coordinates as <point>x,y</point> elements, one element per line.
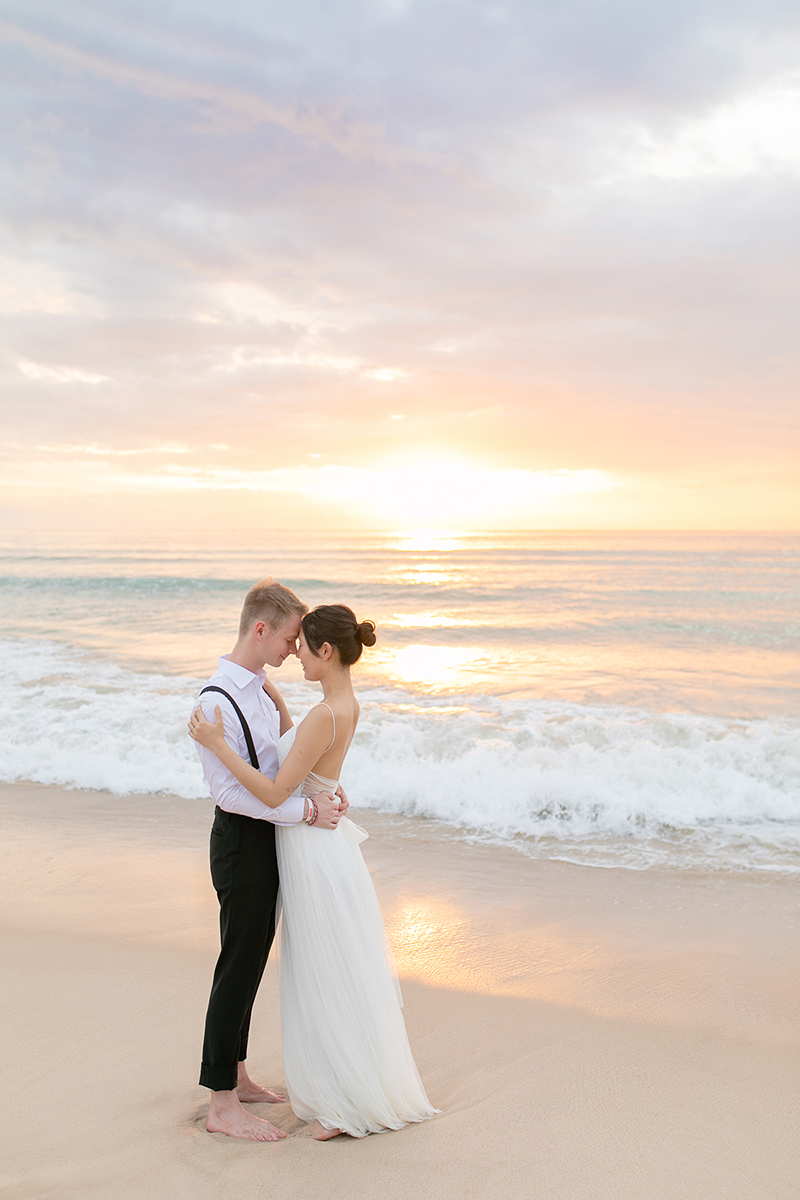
<point>337,625</point>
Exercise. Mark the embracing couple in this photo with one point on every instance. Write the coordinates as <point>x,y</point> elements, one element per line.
<point>280,818</point>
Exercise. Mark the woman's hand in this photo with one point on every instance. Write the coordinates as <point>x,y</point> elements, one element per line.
<point>279,702</point>
<point>210,734</point>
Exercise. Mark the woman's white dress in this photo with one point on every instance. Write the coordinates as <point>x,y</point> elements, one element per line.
<point>346,1057</point>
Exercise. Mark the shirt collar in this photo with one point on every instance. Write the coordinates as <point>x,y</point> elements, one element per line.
<point>238,674</point>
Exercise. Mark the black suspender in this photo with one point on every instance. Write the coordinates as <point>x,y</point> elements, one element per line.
<point>248,737</point>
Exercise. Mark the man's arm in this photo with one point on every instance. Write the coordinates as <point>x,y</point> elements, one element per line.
<point>226,791</point>
<point>234,797</point>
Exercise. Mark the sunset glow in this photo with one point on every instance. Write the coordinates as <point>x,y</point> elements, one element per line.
<point>386,268</point>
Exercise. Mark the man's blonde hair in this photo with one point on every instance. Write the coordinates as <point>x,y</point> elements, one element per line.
<point>271,602</point>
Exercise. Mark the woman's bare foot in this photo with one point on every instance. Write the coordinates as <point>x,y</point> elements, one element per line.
<point>318,1131</point>
<point>253,1093</point>
<point>226,1115</point>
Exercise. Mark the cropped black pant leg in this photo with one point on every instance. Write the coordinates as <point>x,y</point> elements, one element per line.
<point>244,871</point>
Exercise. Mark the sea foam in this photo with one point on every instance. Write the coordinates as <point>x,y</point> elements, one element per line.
<point>607,785</point>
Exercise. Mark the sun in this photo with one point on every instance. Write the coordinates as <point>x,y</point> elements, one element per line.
<point>434,492</point>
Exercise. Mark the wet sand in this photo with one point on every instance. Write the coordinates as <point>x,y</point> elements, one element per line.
<point>586,1032</point>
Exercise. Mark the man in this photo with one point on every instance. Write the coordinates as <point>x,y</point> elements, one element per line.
<point>244,868</point>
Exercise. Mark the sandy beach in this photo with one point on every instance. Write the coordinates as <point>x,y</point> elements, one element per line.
<point>586,1032</point>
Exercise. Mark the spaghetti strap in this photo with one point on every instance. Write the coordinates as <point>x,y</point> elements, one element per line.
<point>330,710</point>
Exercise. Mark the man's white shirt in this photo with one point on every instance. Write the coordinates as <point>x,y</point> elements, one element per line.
<point>265,725</point>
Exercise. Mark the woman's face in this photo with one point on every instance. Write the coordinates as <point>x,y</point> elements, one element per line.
<point>308,660</point>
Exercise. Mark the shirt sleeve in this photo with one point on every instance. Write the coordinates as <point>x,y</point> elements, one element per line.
<point>226,790</point>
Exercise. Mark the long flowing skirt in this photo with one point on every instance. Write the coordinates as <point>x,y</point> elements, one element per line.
<point>346,1056</point>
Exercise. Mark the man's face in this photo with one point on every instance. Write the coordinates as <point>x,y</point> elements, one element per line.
<point>278,645</point>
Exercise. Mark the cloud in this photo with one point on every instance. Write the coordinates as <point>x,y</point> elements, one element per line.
<point>751,133</point>
<point>282,227</point>
<point>109,452</point>
<point>60,374</point>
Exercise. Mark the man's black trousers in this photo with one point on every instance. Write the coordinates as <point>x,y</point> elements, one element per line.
<point>244,871</point>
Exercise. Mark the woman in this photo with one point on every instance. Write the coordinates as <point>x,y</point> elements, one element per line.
<point>346,1057</point>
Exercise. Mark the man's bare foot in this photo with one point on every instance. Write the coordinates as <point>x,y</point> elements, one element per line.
<point>253,1093</point>
<point>318,1131</point>
<point>226,1115</point>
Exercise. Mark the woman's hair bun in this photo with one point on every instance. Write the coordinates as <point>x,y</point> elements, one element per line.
<point>337,625</point>
<point>366,633</point>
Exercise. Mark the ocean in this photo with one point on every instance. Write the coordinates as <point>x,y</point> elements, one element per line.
<point>618,700</point>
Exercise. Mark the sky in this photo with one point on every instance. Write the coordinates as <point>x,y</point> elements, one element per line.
<point>400,264</point>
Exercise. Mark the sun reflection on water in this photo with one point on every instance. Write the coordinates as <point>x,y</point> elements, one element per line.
<point>428,940</point>
<point>424,540</point>
<point>434,666</point>
<point>427,620</point>
<point>433,575</point>
<point>438,943</point>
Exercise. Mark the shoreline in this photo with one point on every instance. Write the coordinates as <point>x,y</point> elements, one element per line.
<point>587,1031</point>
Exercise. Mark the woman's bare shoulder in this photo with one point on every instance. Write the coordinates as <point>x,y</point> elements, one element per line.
<point>319,715</point>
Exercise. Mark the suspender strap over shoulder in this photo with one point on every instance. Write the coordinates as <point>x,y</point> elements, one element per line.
<point>248,737</point>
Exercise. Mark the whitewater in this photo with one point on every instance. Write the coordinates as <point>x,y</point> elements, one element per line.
<point>605,785</point>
